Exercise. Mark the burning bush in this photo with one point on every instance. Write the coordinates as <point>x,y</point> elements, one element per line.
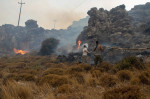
<point>48,46</point>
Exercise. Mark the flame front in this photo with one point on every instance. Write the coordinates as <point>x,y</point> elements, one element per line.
<point>19,51</point>
<point>79,43</point>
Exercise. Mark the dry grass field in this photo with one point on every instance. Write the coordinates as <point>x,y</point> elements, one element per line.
<point>43,77</point>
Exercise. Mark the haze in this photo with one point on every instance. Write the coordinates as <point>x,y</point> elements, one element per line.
<point>63,11</point>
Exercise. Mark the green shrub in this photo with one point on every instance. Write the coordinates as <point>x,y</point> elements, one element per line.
<point>130,62</point>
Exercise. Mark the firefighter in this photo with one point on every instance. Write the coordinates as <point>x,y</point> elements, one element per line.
<point>98,53</point>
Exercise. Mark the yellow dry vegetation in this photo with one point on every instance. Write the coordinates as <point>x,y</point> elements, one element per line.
<point>42,77</point>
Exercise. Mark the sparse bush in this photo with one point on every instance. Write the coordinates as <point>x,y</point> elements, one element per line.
<point>105,67</point>
<point>20,65</point>
<point>135,81</point>
<point>96,73</point>
<point>130,62</point>
<point>124,75</point>
<point>145,78</point>
<point>93,82</point>
<point>65,88</point>
<point>78,77</point>
<point>124,92</point>
<point>53,80</point>
<point>85,67</point>
<point>17,77</point>
<point>108,80</point>
<point>48,46</point>
<point>57,71</point>
<point>15,91</point>
<point>74,69</point>
<point>25,77</point>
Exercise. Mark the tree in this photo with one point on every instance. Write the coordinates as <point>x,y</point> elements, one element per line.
<point>49,46</point>
<point>30,24</point>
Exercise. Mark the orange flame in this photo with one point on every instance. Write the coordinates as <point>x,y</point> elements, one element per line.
<point>19,51</point>
<point>79,43</point>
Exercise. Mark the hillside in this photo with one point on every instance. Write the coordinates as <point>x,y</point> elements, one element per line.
<point>29,38</point>
<point>42,77</point>
<point>118,28</point>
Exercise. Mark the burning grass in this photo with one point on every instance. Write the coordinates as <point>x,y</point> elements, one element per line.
<point>42,77</point>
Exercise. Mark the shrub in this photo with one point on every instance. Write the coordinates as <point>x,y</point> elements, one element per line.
<point>74,69</point>
<point>93,82</point>
<point>65,88</point>
<point>85,67</point>
<point>106,67</point>
<point>135,81</point>
<point>78,77</point>
<point>49,46</point>
<point>26,77</point>
<point>15,91</point>
<point>130,62</point>
<point>96,73</point>
<point>124,92</point>
<point>145,78</point>
<point>108,80</point>
<point>17,77</point>
<point>124,75</point>
<point>57,71</point>
<point>53,80</point>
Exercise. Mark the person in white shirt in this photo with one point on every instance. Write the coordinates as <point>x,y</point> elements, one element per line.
<point>84,55</point>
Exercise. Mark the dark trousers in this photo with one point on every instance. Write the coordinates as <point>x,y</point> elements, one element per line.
<point>98,58</point>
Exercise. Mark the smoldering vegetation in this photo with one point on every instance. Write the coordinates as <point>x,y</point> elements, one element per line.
<point>118,28</point>
<point>115,28</point>
<point>31,36</point>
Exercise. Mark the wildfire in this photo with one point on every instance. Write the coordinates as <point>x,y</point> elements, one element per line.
<point>79,43</point>
<point>19,51</point>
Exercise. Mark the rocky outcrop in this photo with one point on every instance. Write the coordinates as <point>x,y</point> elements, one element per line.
<point>118,28</point>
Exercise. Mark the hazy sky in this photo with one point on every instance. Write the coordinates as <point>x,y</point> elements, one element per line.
<point>64,11</point>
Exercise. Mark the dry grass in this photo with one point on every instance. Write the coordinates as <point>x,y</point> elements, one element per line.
<point>108,80</point>
<point>42,77</point>
<point>123,92</point>
<point>124,75</point>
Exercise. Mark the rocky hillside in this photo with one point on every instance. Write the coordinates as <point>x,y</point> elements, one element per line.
<point>30,37</point>
<point>118,28</point>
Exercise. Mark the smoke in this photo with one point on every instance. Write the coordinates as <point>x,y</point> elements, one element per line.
<point>45,12</point>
